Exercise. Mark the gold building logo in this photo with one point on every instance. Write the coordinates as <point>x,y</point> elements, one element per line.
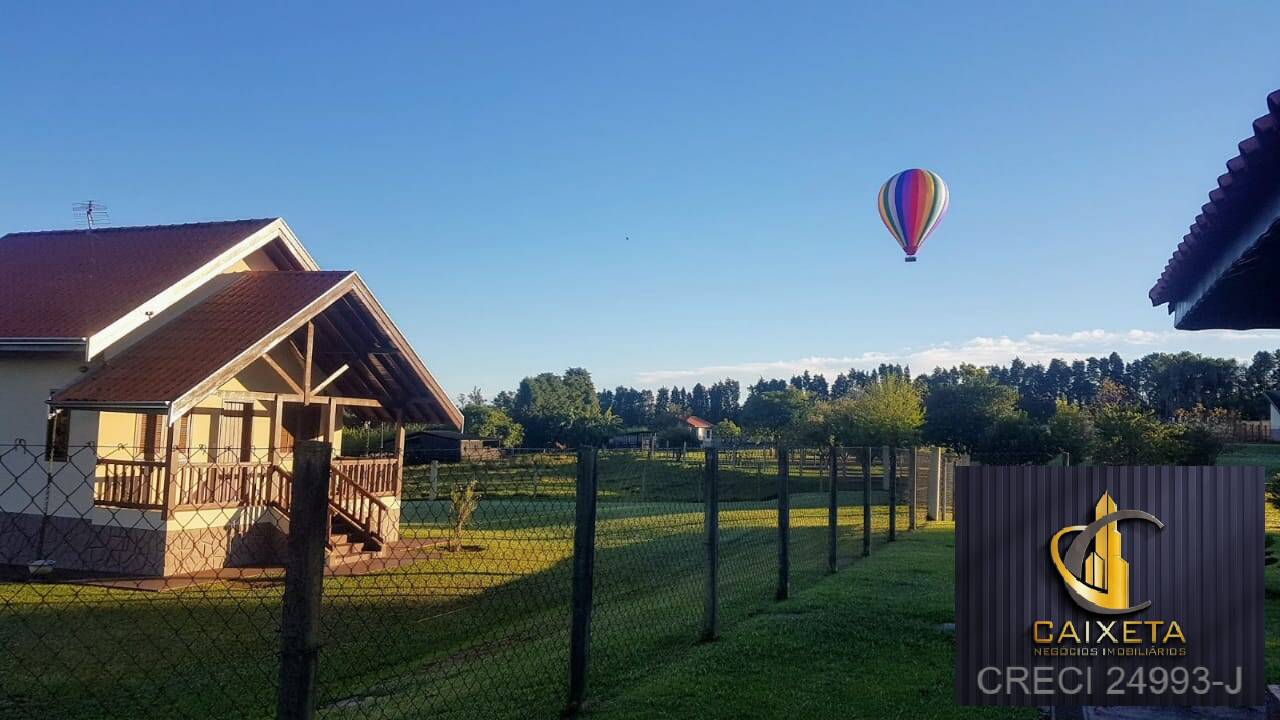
<point>1094,569</point>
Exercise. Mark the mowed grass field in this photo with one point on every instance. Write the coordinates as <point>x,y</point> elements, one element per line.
<point>483,632</point>
<point>480,632</point>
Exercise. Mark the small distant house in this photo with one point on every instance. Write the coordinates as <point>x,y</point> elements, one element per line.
<point>641,438</point>
<point>1273,403</point>
<point>447,446</point>
<point>701,428</point>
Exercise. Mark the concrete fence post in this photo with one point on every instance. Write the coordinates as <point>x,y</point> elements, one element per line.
<point>934,498</point>
<point>784,525</point>
<point>711,530</point>
<point>584,554</point>
<point>303,582</point>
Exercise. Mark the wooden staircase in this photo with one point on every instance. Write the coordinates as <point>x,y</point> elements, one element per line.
<point>348,544</point>
<point>357,518</point>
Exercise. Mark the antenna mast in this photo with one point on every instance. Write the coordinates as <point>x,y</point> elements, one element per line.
<point>92,213</point>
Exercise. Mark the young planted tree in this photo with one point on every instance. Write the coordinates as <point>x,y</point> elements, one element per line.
<point>463,501</point>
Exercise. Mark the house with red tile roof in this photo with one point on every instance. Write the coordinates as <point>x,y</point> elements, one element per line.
<point>701,428</point>
<point>158,379</point>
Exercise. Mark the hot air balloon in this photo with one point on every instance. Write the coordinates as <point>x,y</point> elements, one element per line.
<point>911,205</point>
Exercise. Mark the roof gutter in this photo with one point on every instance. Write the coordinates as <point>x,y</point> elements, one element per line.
<point>41,344</point>
<point>142,406</point>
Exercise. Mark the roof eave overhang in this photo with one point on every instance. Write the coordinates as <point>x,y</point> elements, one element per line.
<point>1212,274</point>
<point>441,398</point>
<point>41,344</point>
<point>135,406</point>
<point>277,229</point>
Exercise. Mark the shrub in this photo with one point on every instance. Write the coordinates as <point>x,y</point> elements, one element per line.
<point>1195,445</point>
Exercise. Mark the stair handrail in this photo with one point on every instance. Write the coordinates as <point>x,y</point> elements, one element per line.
<point>346,498</point>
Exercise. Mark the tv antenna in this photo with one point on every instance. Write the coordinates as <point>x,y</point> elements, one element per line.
<point>92,213</point>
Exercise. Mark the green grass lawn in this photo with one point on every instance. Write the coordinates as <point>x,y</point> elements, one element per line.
<point>1265,454</point>
<point>861,644</point>
<point>482,632</point>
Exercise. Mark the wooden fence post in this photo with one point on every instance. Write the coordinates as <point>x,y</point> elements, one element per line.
<point>784,525</point>
<point>911,489</point>
<point>892,474</point>
<point>833,501</point>
<point>866,501</point>
<point>435,479</point>
<point>711,528</point>
<point>584,552</point>
<point>303,582</point>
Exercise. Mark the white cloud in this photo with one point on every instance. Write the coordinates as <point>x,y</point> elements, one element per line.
<point>1035,347</point>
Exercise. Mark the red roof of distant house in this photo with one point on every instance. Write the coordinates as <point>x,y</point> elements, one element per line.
<point>193,346</point>
<point>73,283</point>
<point>695,421</point>
<point>1250,176</point>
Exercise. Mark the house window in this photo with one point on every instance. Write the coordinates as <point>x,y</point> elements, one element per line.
<point>57,436</point>
<point>149,437</point>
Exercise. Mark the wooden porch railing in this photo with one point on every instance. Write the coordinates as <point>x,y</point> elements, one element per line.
<point>140,484</point>
<point>378,475</point>
<point>130,484</point>
<point>357,505</point>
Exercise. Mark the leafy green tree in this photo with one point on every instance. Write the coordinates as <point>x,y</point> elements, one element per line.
<point>959,415</point>
<point>1071,431</point>
<point>491,422</point>
<point>1130,436</point>
<point>1014,439</point>
<point>561,409</point>
<point>776,414</point>
<point>727,430</point>
<point>890,411</point>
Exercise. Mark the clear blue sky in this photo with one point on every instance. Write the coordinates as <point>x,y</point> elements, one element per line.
<point>482,166</point>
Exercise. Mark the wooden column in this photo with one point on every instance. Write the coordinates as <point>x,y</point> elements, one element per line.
<point>331,411</point>
<point>168,466</point>
<point>400,451</point>
<point>277,416</point>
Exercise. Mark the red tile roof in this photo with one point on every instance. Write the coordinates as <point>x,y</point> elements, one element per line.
<point>695,421</point>
<point>193,346</point>
<point>73,283</point>
<point>1250,176</point>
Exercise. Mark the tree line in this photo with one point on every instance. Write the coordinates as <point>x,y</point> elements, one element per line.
<point>1018,401</point>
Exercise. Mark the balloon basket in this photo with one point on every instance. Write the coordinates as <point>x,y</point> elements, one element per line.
<point>910,258</point>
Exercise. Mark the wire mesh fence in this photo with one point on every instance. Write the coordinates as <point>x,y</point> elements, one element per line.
<point>140,582</point>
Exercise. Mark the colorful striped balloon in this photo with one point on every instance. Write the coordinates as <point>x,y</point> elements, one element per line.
<point>911,205</point>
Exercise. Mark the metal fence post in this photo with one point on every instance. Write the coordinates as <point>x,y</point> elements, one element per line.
<point>435,479</point>
<point>711,526</point>
<point>892,474</point>
<point>584,554</point>
<point>833,501</point>
<point>784,525</point>
<point>303,582</point>
<point>866,501</point>
<point>911,489</point>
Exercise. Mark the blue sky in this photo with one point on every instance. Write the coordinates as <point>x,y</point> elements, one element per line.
<point>483,166</point>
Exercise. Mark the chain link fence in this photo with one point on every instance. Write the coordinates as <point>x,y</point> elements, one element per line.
<point>134,586</point>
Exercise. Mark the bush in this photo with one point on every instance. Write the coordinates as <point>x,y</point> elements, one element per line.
<point>1196,445</point>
